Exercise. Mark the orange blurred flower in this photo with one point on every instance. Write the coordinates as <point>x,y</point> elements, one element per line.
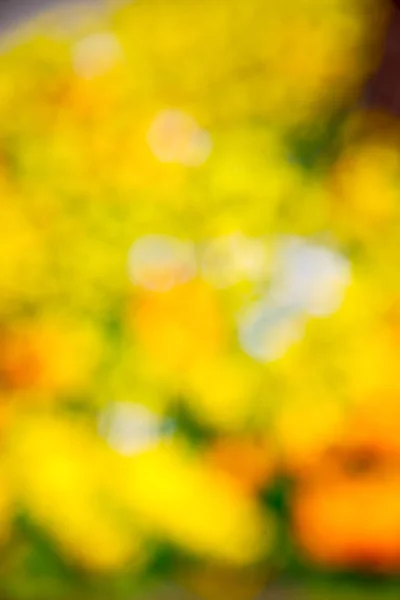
<point>248,462</point>
<point>46,357</point>
<point>180,327</point>
<point>351,521</point>
<point>346,511</point>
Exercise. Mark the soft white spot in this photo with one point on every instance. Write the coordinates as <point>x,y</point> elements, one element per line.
<point>310,276</point>
<point>234,258</point>
<point>267,331</point>
<point>175,137</point>
<point>159,262</point>
<point>129,428</point>
<point>96,54</point>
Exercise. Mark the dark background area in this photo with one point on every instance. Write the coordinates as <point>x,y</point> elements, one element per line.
<point>384,88</point>
<point>13,11</point>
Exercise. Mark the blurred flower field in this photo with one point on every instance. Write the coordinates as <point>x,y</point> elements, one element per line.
<point>199,302</point>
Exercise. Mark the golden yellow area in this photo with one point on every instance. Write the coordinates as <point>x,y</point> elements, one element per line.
<point>180,327</point>
<point>206,124</point>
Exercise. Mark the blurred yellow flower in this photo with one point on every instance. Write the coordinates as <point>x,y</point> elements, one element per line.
<point>61,477</point>
<point>180,497</point>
